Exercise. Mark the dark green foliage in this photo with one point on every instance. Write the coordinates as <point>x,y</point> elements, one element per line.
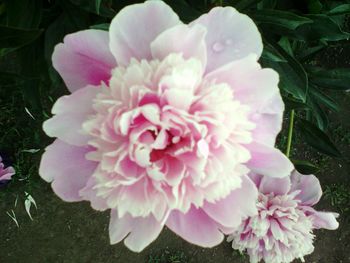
<point>305,167</point>
<point>330,79</point>
<point>13,37</point>
<point>317,138</point>
<point>280,20</point>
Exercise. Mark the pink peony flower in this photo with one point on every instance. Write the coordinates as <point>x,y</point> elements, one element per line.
<point>164,123</point>
<point>5,173</point>
<point>283,229</point>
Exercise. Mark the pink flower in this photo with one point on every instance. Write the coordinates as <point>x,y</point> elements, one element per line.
<point>283,229</point>
<point>5,173</point>
<point>164,122</point>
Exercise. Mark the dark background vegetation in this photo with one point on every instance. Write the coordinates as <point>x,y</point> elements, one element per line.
<point>305,41</point>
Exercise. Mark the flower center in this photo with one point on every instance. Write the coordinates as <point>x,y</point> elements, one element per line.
<point>166,138</point>
<point>171,140</point>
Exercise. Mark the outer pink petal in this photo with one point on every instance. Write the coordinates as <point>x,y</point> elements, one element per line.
<point>256,178</point>
<point>309,186</point>
<point>143,230</point>
<point>89,193</point>
<point>195,227</point>
<point>268,161</point>
<point>65,165</point>
<point>251,84</point>
<point>326,220</point>
<point>239,204</point>
<point>257,88</point>
<point>6,174</point>
<point>181,39</point>
<point>278,186</point>
<point>269,121</point>
<point>136,26</point>
<point>70,113</point>
<point>231,36</point>
<point>84,58</point>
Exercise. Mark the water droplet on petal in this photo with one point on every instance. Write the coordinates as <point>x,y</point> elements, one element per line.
<point>218,47</point>
<point>228,42</point>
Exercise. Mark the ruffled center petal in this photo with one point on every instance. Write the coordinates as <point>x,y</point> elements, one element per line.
<point>166,139</point>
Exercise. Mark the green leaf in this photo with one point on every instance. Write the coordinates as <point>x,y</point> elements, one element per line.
<point>340,10</point>
<point>280,19</point>
<point>306,52</point>
<point>98,6</point>
<point>76,19</point>
<point>242,5</point>
<point>104,26</point>
<point>201,5</point>
<point>267,4</point>
<point>317,138</point>
<point>294,104</point>
<point>317,113</point>
<point>314,6</point>
<point>293,78</point>
<point>90,6</point>
<point>5,51</point>
<point>320,104</point>
<point>323,28</point>
<point>338,79</point>
<point>323,99</point>
<point>305,167</point>
<point>270,53</point>
<point>186,12</point>
<point>23,13</point>
<point>285,44</point>
<point>11,37</point>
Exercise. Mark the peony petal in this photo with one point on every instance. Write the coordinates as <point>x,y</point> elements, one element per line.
<point>84,59</point>
<point>231,36</point>
<point>269,121</point>
<point>65,165</point>
<point>136,26</point>
<point>251,84</point>
<point>89,193</point>
<point>143,230</point>
<point>239,204</point>
<point>179,98</point>
<point>326,220</point>
<point>6,174</point>
<point>257,88</point>
<point>309,186</point>
<point>268,161</point>
<point>179,86</point>
<point>119,228</point>
<point>195,227</point>
<point>181,39</point>
<point>256,178</point>
<point>276,230</point>
<point>278,186</point>
<point>71,111</point>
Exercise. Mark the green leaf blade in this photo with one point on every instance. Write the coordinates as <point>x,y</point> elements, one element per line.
<point>317,138</point>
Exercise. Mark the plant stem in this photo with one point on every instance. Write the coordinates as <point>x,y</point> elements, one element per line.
<point>290,133</point>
